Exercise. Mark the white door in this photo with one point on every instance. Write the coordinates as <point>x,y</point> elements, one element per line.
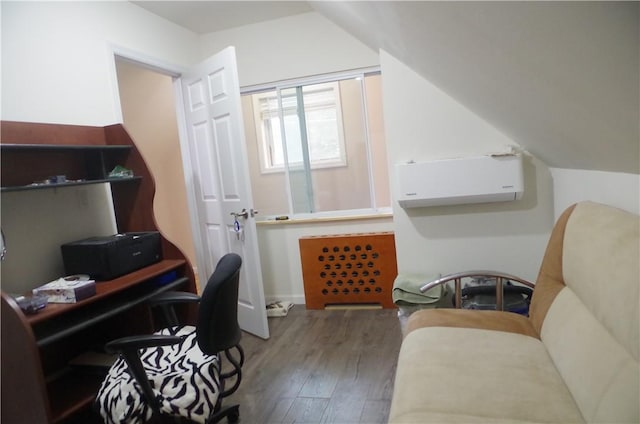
<point>218,178</point>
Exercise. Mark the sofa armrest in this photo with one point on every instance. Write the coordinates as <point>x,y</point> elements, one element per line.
<point>458,276</point>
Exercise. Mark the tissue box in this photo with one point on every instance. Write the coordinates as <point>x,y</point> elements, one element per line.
<point>67,290</point>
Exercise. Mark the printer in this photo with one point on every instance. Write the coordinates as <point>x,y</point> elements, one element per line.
<point>105,258</point>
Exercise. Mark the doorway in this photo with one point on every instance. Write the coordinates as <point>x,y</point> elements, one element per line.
<point>148,108</point>
<point>195,204</point>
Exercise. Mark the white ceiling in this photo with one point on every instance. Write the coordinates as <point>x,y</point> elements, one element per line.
<point>203,17</point>
<point>562,79</point>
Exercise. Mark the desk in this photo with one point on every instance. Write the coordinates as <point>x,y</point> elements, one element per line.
<point>38,384</point>
<point>36,359</point>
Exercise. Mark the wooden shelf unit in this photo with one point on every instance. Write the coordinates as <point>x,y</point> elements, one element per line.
<point>29,166</point>
<point>38,384</point>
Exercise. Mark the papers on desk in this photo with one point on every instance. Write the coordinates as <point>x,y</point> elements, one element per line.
<point>69,289</point>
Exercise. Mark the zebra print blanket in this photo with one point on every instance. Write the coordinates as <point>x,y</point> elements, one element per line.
<point>185,380</point>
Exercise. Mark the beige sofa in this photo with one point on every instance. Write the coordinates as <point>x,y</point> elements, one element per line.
<point>575,359</point>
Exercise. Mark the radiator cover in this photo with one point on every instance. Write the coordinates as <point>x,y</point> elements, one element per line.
<point>348,269</point>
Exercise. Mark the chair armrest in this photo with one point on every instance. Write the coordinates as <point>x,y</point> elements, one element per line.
<point>173,297</point>
<point>125,344</point>
<point>129,348</point>
<point>165,302</point>
<point>458,276</point>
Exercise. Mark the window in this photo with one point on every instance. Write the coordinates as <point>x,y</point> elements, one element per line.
<point>323,120</point>
<point>316,146</point>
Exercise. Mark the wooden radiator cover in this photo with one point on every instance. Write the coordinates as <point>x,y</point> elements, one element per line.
<point>348,269</point>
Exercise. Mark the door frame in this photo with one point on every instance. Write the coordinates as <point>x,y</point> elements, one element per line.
<point>176,73</point>
<point>140,59</point>
<point>187,165</point>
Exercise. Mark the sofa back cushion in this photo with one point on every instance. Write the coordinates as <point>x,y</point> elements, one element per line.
<point>591,329</point>
<point>550,279</point>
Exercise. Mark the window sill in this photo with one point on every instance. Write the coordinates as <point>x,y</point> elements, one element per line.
<point>322,219</point>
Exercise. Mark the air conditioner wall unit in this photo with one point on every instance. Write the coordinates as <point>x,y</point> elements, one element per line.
<point>480,179</point>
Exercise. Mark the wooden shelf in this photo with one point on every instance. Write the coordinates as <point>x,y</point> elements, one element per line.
<point>38,384</point>
<point>105,289</point>
<point>68,184</point>
<point>29,166</point>
<point>65,402</point>
<point>65,147</point>
<point>52,330</point>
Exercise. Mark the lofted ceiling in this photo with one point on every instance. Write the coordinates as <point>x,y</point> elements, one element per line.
<point>203,17</point>
<point>562,79</point>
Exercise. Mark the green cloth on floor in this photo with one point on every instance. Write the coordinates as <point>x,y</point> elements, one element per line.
<point>406,289</point>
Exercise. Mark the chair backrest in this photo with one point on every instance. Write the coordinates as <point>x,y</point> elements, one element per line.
<point>586,308</point>
<point>217,327</point>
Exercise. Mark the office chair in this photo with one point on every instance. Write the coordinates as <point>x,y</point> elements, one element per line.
<point>176,374</point>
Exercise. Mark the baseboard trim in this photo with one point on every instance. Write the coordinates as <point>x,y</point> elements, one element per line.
<point>295,299</point>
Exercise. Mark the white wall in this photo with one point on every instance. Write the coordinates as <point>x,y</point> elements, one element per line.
<point>291,47</point>
<point>36,222</point>
<point>424,123</point>
<point>612,188</point>
<point>57,60</point>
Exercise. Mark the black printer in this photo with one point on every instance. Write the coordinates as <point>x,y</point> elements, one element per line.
<point>105,258</point>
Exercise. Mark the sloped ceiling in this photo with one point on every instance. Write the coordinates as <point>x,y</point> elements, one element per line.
<point>209,16</point>
<point>560,78</point>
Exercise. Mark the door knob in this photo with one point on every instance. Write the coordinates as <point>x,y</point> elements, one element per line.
<point>242,214</point>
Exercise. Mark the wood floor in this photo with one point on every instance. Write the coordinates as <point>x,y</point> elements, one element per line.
<point>320,366</point>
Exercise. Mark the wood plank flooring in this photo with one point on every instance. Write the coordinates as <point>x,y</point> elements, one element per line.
<point>320,366</point>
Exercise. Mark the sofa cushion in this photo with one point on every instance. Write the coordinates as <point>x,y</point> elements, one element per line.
<point>599,372</point>
<point>465,318</point>
<point>474,375</point>
<point>601,264</point>
<point>591,329</point>
<point>550,279</point>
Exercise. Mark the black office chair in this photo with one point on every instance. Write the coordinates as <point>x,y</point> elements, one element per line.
<point>176,374</point>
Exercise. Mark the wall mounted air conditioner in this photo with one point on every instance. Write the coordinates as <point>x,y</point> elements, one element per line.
<point>480,179</point>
